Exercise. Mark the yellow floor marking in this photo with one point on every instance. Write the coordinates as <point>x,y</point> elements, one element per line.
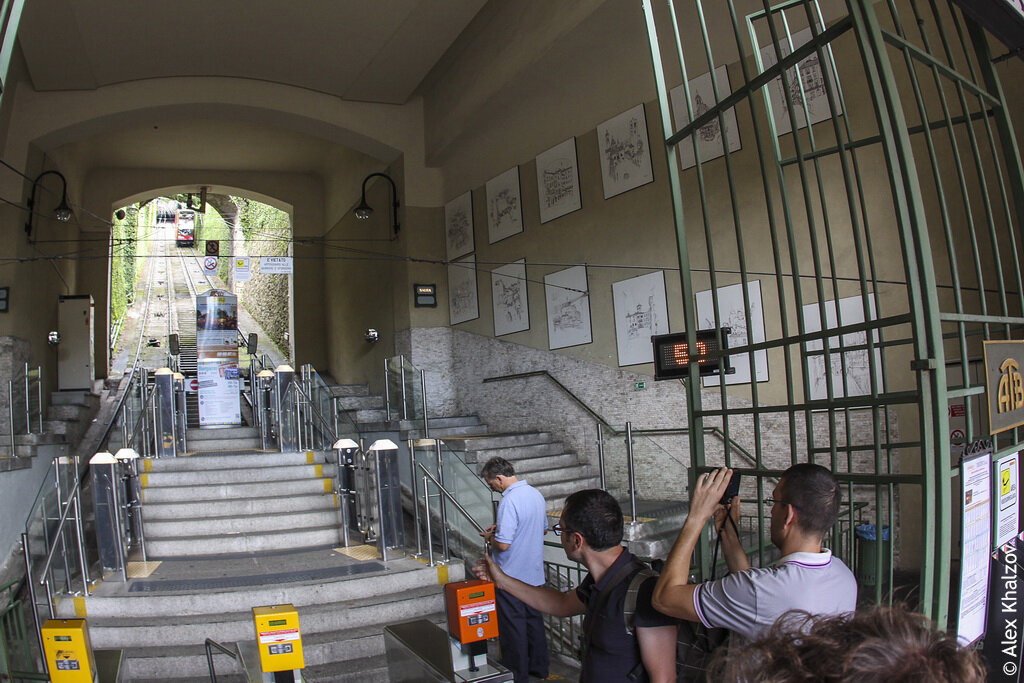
<point>442,574</point>
<point>80,610</point>
<point>627,519</point>
<point>319,471</point>
<point>360,552</point>
<point>147,464</point>
<point>328,486</point>
<point>309,457</point>
<point>144,480</point>
<point>141,570</point>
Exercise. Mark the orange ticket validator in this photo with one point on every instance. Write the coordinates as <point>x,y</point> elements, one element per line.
<point>472,610</point>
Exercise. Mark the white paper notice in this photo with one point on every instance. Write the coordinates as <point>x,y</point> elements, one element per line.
<point>976,546</point>
<point>1008,498</point>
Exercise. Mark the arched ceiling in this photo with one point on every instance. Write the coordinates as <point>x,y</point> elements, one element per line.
<point>352,49</point>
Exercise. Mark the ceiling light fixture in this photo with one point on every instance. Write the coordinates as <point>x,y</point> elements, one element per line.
<point>61,213</point>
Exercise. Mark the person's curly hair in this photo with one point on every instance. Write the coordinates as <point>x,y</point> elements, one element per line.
<point>876,645</point>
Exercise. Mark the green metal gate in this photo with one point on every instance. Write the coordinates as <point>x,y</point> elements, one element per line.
<point>855,166</point>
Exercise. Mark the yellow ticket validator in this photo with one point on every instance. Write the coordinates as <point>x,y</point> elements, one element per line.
<point>68,651</point>
<point>278,638</point>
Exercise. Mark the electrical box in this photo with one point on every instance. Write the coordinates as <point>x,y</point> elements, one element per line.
<point>278,638</point>
<point>472,610</point>
<point>76,366</point>
<point>69,654</point>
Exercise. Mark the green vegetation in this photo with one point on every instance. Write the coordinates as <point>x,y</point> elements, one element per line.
<point>124,266</point>
<point>212,226</point>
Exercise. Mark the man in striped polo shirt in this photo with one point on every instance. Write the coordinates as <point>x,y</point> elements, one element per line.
<point>747,601</point>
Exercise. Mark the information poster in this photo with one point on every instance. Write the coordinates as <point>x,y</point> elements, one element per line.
<point>976,540</point>
<point>1007,498</point>
<point>217,355</point>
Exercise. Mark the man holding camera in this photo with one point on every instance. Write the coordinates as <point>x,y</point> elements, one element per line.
<point>747,601</point>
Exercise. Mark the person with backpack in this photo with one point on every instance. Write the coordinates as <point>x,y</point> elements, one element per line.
<point>747,601</point>
<point>616,646</point>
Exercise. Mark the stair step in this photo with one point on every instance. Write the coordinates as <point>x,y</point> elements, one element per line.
<point>361,402</point>
<point>216,462</point>
<point>287,539</point>
<point>441,422</point>
<point>82,398</point>
<point>516,453</point>
<point>350,389</point>
<point>235,476</point>
<point>360,416</point>
<point>221,433</point>
<point>447,432</point>
<point>270,489</point>
<point>224,446</point>
<point>154,512</point>
<point>485,442</point>
<point>559,474</point>
<point>199,527</point>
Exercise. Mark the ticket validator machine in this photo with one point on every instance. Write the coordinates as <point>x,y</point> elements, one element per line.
<point>69,655</point>
<point>421,651</point>
<point>279,643</point>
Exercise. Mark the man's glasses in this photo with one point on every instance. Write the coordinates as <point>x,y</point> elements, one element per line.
<point>773,501</point>
<point>558,529</point>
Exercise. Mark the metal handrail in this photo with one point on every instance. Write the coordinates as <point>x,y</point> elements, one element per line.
<point>450,497</point>
<point>616,431</point>
<point>210,645</point>
<point>25,377</point>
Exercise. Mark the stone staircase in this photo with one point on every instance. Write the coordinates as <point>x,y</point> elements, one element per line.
<point>67,418</point>
<point>229,527</point>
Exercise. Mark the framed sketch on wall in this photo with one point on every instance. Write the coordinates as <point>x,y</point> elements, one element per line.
<point>731,313</point>
<point>568,307</point>
<point>625,152</point>
<point>504,206</point>
<point>463,300</point>
<point>712,136</point>
<point>850,370</point>
<point>508,297</point>
<point>805,86</point>
<point>458,225</point>
<point>640,312</point>
<point>558,181</point>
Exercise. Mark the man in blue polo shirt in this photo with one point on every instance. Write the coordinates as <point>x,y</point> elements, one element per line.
<point>518,543</point>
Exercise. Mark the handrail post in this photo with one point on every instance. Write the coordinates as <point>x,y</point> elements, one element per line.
<point>426,512</point>
<point>632,476</point>
<point>387,389</point>
<point>405,408</point>
<point>28,409</point>
<point>80,534</point>
<point>423,400</point>
<point>10,412</point>
<point>382,542</point>
<point>440,498</point>
<point>39,391</point>
<point>30,583</point>
<point>600,453</point>
<point>415,498</point>
<point>59,488</point>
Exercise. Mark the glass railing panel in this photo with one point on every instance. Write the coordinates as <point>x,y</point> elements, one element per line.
<point>288,420</point>
<point>404,389</point>
<point>616,468</point>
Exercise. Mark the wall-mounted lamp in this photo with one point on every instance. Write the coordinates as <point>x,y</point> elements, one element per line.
<point>372,336</point>
<point>364,210</point>
<point>61,213</point>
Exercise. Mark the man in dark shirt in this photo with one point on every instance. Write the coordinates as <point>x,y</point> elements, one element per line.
<point>590,529</point>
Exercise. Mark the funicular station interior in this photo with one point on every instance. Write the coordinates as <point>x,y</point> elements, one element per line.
<point>551,184</point>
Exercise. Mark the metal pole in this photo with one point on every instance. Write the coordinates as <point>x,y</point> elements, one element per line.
<point>405,408</point>
<point>116,510</point>
<point>600,453</point>
<point>62,540</point>
<point>28,410</point>
<point>49,598</point>
<point>426,513</point>
<point>138,508</point>
<point>444,512</point>
<point>10,412</point>
<point>80,537</point>
<point>300,426</point>
<point>344,496</point>
<point>32,597</point>
<point>39,391</point>
<point>387,390</point>
<point>629,466</point>
<point>423,400</point>
<point>381,540</point>
<point>415,498</point>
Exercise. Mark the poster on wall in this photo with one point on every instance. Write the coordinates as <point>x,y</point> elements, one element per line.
<point>624,151</point>
<point>558,181</point>
<point>568,307</point>
<point>711,137</point>
<point>1007,498</point>
<point>508,297</point>
<point>504,206</point>
<point>732,314</point>
<point>975,541</point>
<point>458,225</point>
<point>804,88</point>
<point>217,358</point>
<point>850,370</point>
<point>640,312</point>
<point>463,302</point>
